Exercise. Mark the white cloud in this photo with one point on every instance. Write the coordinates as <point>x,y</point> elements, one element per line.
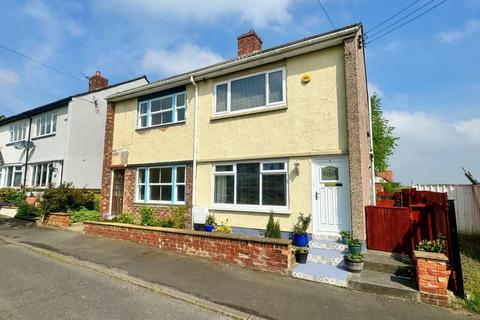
<point>432,150</point>
<point>456,35</point>
<point>182,59</point>
<point>259,13</point>
<point>373,88</point>
<point>8,75</point>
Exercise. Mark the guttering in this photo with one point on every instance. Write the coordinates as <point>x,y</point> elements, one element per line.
<point>268,56</point>
<point>194,156</point>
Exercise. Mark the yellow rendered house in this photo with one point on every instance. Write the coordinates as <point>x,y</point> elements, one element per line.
<point>282,130</point>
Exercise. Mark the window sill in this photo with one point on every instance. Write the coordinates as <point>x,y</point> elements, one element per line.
<point>239,208</point>
<point>248,112</point>
<point>44,136</point>
<point>13,142</point>
<point>159,204</point>
<point>172,124</point>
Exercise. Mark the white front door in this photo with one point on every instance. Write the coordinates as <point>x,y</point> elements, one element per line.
<point>331,195</point>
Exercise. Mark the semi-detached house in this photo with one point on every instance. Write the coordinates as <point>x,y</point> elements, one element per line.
<point>59,142</point>
<point>282,130</point>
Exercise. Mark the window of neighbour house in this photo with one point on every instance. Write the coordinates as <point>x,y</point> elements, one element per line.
<point>165,184</point>
<point>18,132</point>
<point>46,125</point>
<point>12,176</point>
<point>162,110</point>
<point>259,184</point>
<point>255,91</point>
<point>42,174</point>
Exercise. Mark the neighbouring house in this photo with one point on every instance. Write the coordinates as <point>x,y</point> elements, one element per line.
<point>282,130</point>
<point>381,178</point>
<point>61,141</point>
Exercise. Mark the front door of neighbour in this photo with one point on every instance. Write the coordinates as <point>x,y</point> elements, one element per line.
<point>117,192</point>
<point>331,195</point>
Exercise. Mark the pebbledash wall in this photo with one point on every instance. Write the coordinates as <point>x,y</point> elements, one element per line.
<point>273,255</point>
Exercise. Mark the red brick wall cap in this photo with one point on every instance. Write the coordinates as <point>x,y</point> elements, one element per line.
<point>59,214</point>
<point>430,255</point>
<point>195,233</point>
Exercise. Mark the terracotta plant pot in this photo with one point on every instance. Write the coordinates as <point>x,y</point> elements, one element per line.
<point>31,200</point>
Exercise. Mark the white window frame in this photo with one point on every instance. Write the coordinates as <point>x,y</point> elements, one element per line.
<point>173,109</point>
<point>43,120</point>
<point>251,207</point>
<point>267,93</point>
<point>147,184</point>
<point>37,169</point>
<point>14,170</point>
<point>18,131</point>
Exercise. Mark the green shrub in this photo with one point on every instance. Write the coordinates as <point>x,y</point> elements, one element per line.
<point>178,216</point>
<point>84,215</point>
<point>12,195</point>
<point>25,210</point>
<point>210,220</point>
<point>273,228</point>
<point>302,224</point>
<point>125,218</point>
<point>66,198</point>
<point>164,222</point>
<point>147,217</point>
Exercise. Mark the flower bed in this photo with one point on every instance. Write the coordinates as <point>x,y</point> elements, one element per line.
<point>274,255</point>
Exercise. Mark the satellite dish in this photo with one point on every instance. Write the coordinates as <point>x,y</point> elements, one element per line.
<point>18,145</point>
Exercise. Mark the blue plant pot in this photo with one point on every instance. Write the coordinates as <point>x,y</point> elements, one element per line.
<point>300,240</point>
<point>209,227</point>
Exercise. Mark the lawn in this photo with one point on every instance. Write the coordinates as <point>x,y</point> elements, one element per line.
<point>470,255</point>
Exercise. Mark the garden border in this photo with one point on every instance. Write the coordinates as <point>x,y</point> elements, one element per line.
<point>273,255</point>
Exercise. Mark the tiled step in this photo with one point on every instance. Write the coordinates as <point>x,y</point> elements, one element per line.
<point>327,244</point>
<point>325,256</point>
<point>326,237</point>
<point>323,273</point>
<point>383,283</point>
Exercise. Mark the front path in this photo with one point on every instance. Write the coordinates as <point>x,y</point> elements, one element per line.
<point>259,293</point>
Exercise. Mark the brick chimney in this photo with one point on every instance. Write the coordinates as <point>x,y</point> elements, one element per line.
<point>248,43</point>
<point>97,82</point>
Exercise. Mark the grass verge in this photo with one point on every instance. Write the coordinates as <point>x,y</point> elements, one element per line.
<point>470,256</point>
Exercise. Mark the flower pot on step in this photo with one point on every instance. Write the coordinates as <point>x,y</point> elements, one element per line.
<point>354,248</point>
<point>354,263</point>
<point>209,227</point>
<point>301,256</point>
<point>300,239</point>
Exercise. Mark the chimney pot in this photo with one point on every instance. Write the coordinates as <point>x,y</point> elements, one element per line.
<point>97,82</point>
<point>248,43</point>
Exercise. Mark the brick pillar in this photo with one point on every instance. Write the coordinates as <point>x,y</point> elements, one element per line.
<point>357,133</point>
<point>432,277</point>
<point>107,161</point>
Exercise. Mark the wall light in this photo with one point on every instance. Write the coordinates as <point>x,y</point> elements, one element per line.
<point>297,168</point>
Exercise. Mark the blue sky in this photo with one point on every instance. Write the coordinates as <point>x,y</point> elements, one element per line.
<point>426,72</point>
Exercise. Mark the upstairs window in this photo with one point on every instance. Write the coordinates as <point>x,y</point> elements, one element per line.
<point>46,125</point>
<point>162,110</point>
<point>18,132</point>
<point>255,91</point>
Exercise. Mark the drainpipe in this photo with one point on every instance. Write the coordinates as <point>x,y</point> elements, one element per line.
<point>195,124</point>
<point>372,162</point>
<point>27,153</point>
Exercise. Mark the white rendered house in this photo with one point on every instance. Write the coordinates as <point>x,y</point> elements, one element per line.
<point>60,142</point>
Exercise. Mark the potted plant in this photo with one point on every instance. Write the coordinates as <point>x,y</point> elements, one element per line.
<point>300,236</point>
<point>210,223</point>
<point>354,247</point>
<point>301,255</point>
<point>346,236</point>
<point>354,262</point>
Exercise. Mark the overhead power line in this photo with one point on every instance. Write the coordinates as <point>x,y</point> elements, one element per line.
<point>395,15</point>
<point>406,22</point>
<point>402,18</point>
<point>326,13</point>
<point>41,63</point>
<point>28,88</point>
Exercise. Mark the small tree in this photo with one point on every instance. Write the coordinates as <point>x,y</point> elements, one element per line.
<point>384,142</point>
<point>273,228</point>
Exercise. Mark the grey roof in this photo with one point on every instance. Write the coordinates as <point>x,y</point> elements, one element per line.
<point>60,103</point>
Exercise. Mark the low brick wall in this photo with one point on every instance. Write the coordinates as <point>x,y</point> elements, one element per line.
<point>58,219</point>
<point>274,255</point>
<point>432,277</point>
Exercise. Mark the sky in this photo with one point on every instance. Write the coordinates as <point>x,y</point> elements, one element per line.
<point>426,72</point>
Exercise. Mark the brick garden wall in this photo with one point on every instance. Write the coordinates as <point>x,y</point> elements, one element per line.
<point>272,255</point>
<point>59,219</point>
<point>432,277</point>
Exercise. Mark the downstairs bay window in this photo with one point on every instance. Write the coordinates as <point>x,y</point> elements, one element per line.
<point>13,176</point>
<point>251,185</point>
<point>163,185</point>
